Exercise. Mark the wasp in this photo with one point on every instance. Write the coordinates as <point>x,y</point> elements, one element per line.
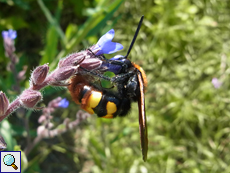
<point>131,83</point>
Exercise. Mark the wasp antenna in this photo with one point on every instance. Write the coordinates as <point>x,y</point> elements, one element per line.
<point>135,36</point>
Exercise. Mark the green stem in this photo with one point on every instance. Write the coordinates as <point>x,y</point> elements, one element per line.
<point>52,21</point>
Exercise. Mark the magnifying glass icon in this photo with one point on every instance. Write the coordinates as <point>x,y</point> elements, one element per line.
<point>9,160</point>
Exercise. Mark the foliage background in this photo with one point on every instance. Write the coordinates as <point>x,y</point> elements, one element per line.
<point>182,45</point>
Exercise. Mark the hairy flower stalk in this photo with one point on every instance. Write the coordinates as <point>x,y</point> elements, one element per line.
<point>67,67</point>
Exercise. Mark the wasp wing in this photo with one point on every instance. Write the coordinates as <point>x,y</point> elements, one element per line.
<point>142,119</point>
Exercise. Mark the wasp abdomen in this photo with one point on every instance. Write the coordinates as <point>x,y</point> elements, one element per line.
<point>103,103</point>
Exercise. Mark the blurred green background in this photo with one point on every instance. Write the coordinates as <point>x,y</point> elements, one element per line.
<point>182,46</point>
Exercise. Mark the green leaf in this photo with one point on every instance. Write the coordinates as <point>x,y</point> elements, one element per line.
<point>92,22</point>
<point>70,31</point>
<point>6,133</point>
<point>15,22</point>
<point>51,46</point>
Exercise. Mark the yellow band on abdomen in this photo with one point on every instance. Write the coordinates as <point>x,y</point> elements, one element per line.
<point>93,101</point>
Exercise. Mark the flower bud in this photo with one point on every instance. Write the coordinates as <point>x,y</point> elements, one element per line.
<point>63,73</point>
<point>29,98</point>
<point>82,115</point>
<point>39,74</point>
<point>91,63</point>
<point>3,144</point>
<point>44,118</point>
<point>54,103</point>
<point>4,103</point>
<point>21,75</point>
<point>41,131</point>
<point>72,60</point>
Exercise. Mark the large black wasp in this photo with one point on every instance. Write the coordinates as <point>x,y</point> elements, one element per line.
<point>131,83</point>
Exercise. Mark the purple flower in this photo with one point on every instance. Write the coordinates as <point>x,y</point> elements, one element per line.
<point>8,40</point>
<point>9,34</point>
<point>64,103</point>
<point>105,44</point>
<point>216,83</point>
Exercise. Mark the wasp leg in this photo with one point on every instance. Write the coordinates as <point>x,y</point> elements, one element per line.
<point>96,74</point>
